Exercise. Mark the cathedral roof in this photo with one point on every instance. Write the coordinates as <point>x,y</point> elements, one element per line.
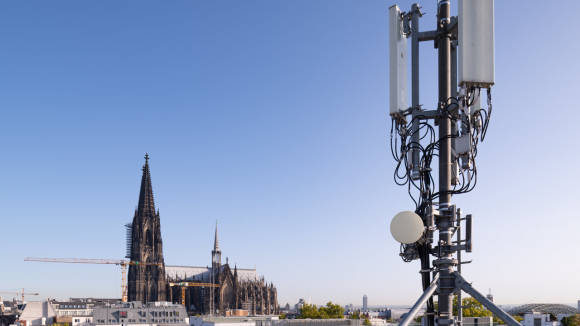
<point>202,274</point>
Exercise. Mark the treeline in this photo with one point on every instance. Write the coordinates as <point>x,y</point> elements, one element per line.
<point>325,312</point>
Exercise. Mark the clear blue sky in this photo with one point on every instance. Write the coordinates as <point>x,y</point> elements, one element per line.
<point>271,116</point>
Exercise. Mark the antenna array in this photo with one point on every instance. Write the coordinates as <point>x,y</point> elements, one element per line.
<point>450,133</point>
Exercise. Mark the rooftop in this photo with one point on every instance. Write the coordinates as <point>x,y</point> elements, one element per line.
<point>545,308</point>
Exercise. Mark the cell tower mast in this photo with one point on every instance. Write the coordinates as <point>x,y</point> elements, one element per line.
<point>461,124</point>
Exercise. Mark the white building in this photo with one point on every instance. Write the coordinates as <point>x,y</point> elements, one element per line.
<point>141,314</point>
<point>75,313</point>
<point>538,319</point>
<point>37,313</point>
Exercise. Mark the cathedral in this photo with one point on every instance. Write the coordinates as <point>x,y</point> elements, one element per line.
<point>218,289</point>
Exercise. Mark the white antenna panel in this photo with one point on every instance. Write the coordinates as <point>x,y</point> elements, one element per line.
<point>397,62</point>
<point>476,53</point>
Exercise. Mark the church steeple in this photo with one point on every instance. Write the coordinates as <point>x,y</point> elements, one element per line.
<point>146,206</point>
<point>216,245</point>
<point>146,283</point>
<point>216,253</point>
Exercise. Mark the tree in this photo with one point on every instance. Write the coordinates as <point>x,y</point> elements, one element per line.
<point>497,321</point>
<point>355,315</point>
<point>471,308</point>
<point>309,311</point>
<point>329,311</point>
<point>367,322</point>
<point>573,320</point>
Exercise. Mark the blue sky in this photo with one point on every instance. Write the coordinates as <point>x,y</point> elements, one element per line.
<point>271,117</point>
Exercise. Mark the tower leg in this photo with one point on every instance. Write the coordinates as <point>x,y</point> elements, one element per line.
<point>465,286</point>
<point>422,300</point>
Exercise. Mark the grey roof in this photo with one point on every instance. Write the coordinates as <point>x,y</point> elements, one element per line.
<point>202,274</point>
<point>545,308</point>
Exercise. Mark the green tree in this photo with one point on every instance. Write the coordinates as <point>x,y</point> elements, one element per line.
<point>471,308</point>
<point>355,315</point>
<point>309,311</point>
<point>497,321</point>
<point>367,322</point>
<point>573,320</point>
<point>331,311</point>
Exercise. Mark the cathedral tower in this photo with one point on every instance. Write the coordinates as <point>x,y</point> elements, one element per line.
<point>146,282</point>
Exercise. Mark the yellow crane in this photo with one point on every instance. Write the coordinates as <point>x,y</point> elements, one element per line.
<point>185,285</point>
<point>22,293</point>
<point>119,262</point>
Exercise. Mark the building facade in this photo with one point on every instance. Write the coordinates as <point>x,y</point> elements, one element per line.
<point>538,319</point>
<point>37,313</point>
<point>218,289</point>
<point>137,313</point>
<point>73,313</point>
<point>365,305</point>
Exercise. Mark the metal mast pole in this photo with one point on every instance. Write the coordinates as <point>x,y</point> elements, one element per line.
<point>415,138</point>
<point>415,13</point>
<point>445,262</point>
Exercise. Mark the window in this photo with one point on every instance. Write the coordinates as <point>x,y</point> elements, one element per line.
<point>148,238</point>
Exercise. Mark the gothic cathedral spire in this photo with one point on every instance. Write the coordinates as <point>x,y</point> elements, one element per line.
<point>146,282</point>
<point>216,253</point>
<point>146,204</point>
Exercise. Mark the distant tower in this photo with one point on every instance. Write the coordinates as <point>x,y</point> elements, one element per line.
<point>216,253</point>
<point>146,283</point>
<point>490,296</point>
<point>365,303</point>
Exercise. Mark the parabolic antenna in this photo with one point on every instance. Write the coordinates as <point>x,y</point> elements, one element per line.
<point>407,227</point>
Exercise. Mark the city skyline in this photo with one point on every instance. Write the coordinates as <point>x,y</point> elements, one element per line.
<point>272,118</point>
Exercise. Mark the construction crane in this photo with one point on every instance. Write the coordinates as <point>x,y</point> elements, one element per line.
<point>185,285</point>
<point>119,262</point>
<point>22,293</point>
